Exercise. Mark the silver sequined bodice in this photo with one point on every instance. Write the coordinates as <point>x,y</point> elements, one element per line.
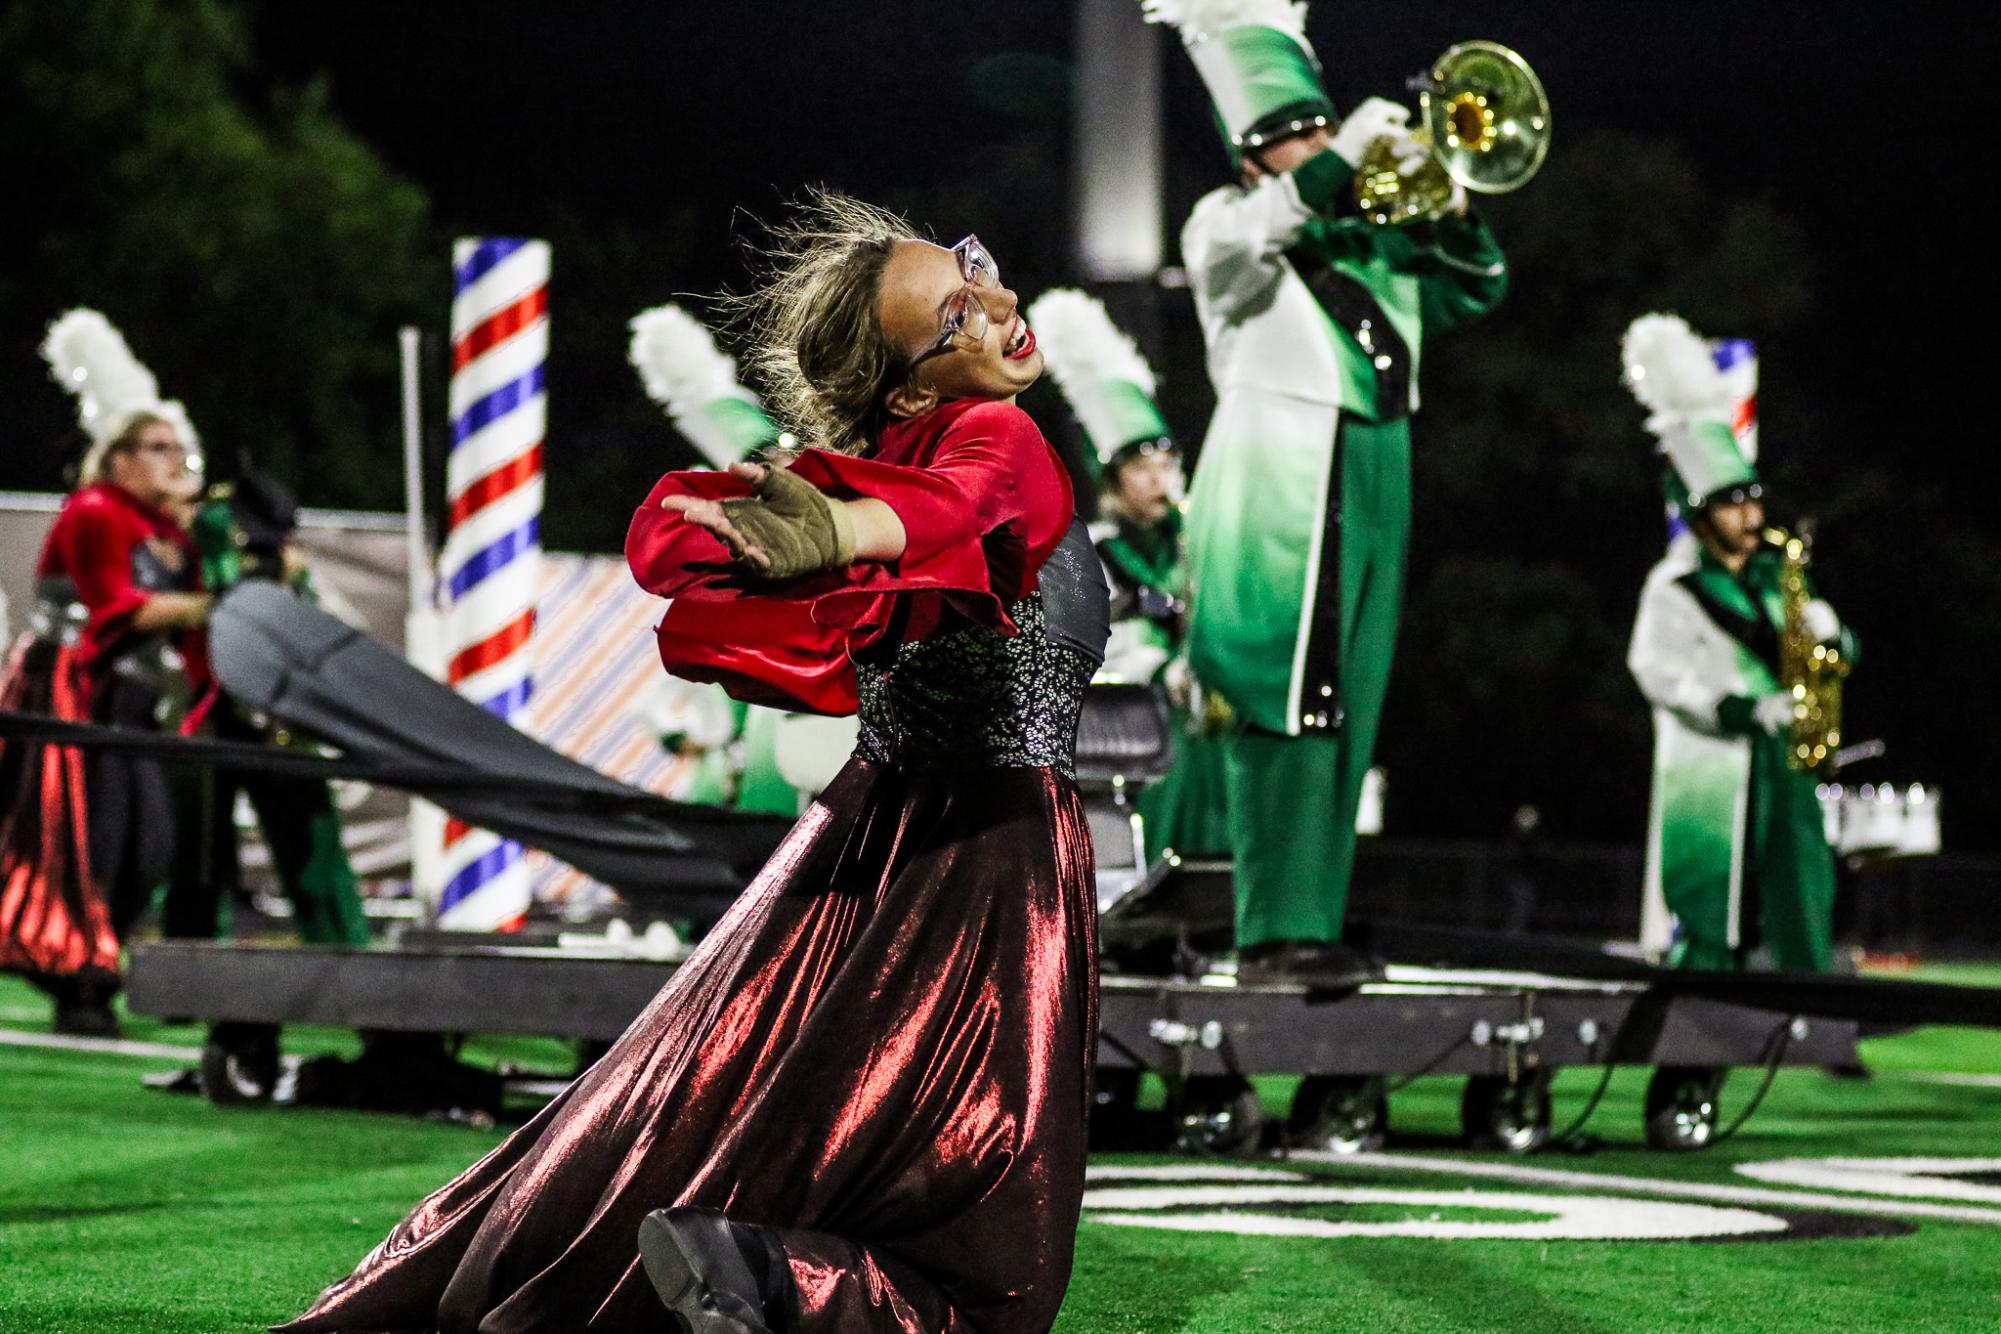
<point>973,698</point>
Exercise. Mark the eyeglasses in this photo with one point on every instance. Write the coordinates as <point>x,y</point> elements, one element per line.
<point>172,448</point>
<point>965,322</point>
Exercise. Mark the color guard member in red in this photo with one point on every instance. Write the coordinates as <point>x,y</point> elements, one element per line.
<point>860,1105</point>
<point>117,638</point>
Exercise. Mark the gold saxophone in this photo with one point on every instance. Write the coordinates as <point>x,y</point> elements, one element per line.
<point>1810,671</point>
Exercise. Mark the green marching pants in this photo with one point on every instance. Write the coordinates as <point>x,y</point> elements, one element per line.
<point>1188,808</point>
<point>1293,799</point>
<point>1787,903</point>
<point>302,830</point>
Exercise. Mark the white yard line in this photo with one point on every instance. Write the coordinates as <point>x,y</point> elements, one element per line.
<point>1684,1190</point>
<point>1179,1173</point>
<point>1955,1078</point>
<point>101,1046</point>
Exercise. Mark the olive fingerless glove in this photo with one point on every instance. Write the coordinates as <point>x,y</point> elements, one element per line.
<point>798,526</point>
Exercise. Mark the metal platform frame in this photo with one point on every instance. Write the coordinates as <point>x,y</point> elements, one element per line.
<point>1506,1032</point>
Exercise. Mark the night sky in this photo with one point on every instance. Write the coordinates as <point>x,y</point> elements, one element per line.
<point>654,134</point>
<point>645,140</point>
<point>1841,113</point>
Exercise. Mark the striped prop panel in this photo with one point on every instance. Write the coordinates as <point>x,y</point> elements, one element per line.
<point>595,659</point>
<point>490,569</point>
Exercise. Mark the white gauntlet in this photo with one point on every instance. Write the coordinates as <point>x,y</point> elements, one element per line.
<point>1377,118</point>
<point>1774,713</point>
<point>1821,622</point>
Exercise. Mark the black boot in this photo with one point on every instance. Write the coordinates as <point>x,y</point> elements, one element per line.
<point>716,1277</point>
<point>1319,964</point>
<point>83,1009</point>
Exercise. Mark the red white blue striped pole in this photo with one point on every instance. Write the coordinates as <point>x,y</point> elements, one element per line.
<point>491,565</point>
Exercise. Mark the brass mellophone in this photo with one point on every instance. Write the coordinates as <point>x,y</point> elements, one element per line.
<point>1485,118</point>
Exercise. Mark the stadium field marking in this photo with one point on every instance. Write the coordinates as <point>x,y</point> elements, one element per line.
<point>1954,1078</point>
<point>1686,1190</point>
<point>1191,1172</point>
<point>101,1046</point>
<point>1565,1217</point>
<point>1905,1178</point>
<point>24,1014</point>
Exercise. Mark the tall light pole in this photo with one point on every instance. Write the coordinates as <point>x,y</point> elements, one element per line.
<point>1117,143</point>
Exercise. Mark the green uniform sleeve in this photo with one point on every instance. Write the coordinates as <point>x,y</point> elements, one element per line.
<point>214,534</point>
<point>1462,274</point>
<point>1321,179</point>
<point>1735,715</point>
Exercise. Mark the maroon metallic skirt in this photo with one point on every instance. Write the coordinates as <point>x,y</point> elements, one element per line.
<point>883,1052</point>
<point>55,926</point>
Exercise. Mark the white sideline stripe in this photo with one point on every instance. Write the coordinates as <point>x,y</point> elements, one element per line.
<point>101,1046</point>
<point>1954,1078</point>
<point>1565,1217</point>
<point>1686,1190</point>
<point>1192,1172</point>
<point>1901,1178</point>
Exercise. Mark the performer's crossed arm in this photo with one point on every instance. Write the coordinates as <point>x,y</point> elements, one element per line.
<point>1462,274</point>
<point>1658,657</point>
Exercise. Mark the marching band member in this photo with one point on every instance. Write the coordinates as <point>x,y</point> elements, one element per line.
<point>1737,854</point>
<point>1300,509</point>
<point>243,530</point>
<point>1110,386</point>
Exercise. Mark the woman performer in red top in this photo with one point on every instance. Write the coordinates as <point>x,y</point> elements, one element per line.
<point>117,630</point>
<point>861,1104</point>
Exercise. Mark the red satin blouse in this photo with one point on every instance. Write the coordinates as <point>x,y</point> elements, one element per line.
<point>95,541</point>
<point>983,500</point>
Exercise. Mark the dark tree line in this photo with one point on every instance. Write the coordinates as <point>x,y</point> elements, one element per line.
<point>257,255</point>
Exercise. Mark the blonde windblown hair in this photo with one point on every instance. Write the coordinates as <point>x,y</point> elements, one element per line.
<point>817,344</point>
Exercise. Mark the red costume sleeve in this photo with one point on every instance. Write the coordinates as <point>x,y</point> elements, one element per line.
<point>93,540</point>
<point>983,501</point>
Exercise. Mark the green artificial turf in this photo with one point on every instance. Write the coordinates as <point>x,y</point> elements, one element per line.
<point>127,1209</point>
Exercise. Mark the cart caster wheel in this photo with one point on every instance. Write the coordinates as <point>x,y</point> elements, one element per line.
<point>1116,1122</point>
<point>1339,1114</point>
<point>1117,1091</point>
<point>1513,1117</point>
<point>1218,1116</point>
<point>239,1064</point>
<point>1682,1107</point>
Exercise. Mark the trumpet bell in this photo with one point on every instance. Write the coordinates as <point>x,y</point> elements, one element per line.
<point>1488,117</point>
<point>1485,120</point>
